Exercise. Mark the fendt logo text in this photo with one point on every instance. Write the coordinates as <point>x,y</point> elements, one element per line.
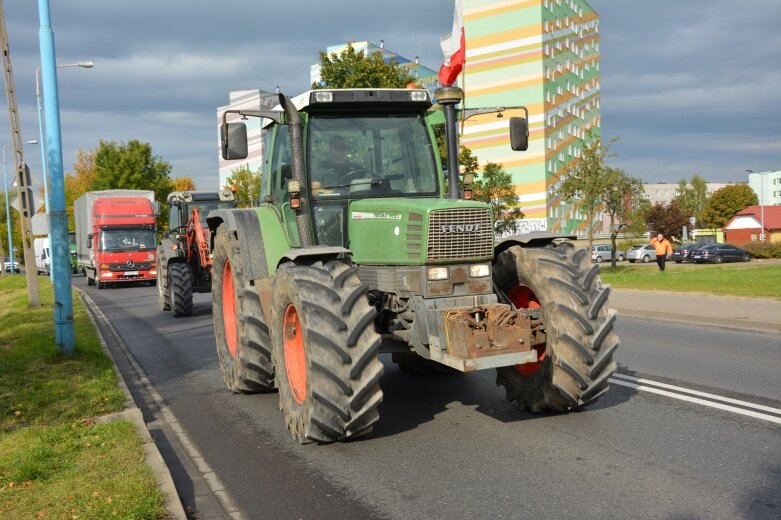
<point>460,228</point>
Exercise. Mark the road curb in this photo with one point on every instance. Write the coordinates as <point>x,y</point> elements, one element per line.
<point>132,413</point>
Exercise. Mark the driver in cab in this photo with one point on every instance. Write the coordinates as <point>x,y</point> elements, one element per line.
<point>331,172</point>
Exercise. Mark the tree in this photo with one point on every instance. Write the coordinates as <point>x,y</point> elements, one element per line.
<point>131,166</point>
<point>692,197</point>
<point>245,185</point>
<point>727,201</point>
<point>496,189</point>
<point>182,184</point>
<point>351,69</point>
<point>586,182</point>
<point>79,182</point>
<point>668,219</point>
<point>619,202</point>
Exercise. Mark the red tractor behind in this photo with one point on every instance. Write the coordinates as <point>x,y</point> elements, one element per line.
<point>183,257</point>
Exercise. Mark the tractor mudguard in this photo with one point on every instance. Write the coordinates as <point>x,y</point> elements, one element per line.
<point>323,253</point>
<point>533,239</point>
<point>166,251</point>
<point>244,223</point>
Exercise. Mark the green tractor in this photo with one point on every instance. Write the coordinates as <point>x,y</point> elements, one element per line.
<point>358,249</point>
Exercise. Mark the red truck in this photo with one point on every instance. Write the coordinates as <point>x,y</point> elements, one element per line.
<point>116,236</point>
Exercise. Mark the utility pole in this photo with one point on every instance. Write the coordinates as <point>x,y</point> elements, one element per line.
<point>22,171</point>
<point>58,216</point>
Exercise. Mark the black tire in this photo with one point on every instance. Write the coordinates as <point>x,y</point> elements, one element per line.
<point>746,257</point>
<point>90,281</point>
<point>578,354</point>
<point>599,259</point>
<point>620,258</point>
<point>180,289</point>
<point>631,261</point>
<point>646,259</point>
<point>325,351</point>
<point>244,347</point>
<point>678,261</point>
<point>163,299</point>
<point>717,259</point>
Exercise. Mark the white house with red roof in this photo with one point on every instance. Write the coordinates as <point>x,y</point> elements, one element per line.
<point>745,227</point>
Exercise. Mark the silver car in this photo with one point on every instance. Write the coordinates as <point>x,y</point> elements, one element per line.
<point>643,253</point>
<point>601,254</point>
<point>7,262</point>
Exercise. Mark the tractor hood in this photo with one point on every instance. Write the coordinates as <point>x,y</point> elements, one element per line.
<point>419,231</point>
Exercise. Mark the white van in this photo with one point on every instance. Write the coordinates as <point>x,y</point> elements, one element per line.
<point>42,255</point>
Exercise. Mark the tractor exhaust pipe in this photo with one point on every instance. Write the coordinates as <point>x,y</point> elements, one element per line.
<point>449,97</point>
<point>303,223</point>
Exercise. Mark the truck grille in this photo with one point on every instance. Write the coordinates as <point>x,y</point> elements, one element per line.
<point>458,234</point>
<point>137,266</point>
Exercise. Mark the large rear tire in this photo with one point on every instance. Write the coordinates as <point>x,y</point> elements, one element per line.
<point>162,287</point>
<point>180,289</point>
<point>325,351</point>
<point>577,358</point>
<point>240,330</point>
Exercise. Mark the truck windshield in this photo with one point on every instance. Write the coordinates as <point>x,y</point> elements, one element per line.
<point>127,239</point>
<point>370,155</point>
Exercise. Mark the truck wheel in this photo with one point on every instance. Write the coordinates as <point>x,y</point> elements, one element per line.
<point>577,359</point>
<point>162,287</point>
<point>243,343</point>
<point>180,289</point>
<point>325,351</point>
<point>90,281</point>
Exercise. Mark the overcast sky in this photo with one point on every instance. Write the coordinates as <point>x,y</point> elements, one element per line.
<point>689,87</point>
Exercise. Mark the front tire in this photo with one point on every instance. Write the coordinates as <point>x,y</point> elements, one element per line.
<point>163,300</point>
<point>180,289</point>
<point>577,358</point>
<point>325,351</point>
<point>240,330</point>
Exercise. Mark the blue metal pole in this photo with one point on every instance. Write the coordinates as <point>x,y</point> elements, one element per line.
<point>58,217</point>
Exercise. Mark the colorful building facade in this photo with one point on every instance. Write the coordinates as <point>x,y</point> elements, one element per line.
<point>542,54</point>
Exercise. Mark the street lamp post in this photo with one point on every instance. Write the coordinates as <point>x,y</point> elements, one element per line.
<point>44,169</point>
<point>761,204</point>
<point>8,221</point>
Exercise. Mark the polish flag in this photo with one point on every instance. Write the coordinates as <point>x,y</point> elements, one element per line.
<point>454,49</point>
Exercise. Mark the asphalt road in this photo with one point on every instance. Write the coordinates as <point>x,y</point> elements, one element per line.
<point>450,446</point>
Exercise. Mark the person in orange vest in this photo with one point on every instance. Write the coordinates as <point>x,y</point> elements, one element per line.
<point>663,250</point>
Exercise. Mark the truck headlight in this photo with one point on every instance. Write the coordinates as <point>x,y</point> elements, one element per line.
<point>479,270</point>
<point>437,273</point>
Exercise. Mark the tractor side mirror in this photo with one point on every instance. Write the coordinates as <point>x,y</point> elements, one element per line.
<point>519,134</point>
<point>158,208</point>
<point>233,138</point>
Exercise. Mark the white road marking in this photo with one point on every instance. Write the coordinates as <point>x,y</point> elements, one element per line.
<point>643,385</point>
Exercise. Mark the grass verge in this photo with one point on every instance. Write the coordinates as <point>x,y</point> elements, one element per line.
<point>756,279</point>
<point>55,461</point>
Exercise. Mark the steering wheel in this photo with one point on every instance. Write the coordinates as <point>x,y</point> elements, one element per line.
<point>360,173</point>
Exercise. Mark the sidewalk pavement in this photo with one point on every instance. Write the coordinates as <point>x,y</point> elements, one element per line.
<point>759,314</point>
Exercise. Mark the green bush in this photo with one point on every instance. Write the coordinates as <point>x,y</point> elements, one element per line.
<point>764,249</point>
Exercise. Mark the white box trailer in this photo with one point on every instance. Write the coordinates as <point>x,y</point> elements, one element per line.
<point>42,255</point>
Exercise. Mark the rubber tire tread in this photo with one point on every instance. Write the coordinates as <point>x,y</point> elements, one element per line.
<point>252,370</point>
<point>180,285</point>
<point>342,366</point>
<point>580,336</point>
<point>163,299</point>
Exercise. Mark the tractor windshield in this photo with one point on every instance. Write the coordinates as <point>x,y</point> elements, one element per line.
<point>205,206</point>
<point>370,155</point>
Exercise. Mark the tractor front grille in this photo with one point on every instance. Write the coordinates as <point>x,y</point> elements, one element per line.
<point>460,234</point>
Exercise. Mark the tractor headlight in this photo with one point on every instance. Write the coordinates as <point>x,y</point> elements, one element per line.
<point>418,95</point>
<point>479,271</point>
<point>437,273</point>
<point>323,96</point>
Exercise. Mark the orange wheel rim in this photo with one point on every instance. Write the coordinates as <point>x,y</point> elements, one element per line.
<point>229,309</point>
<point>295,357</point>
<point>524,298</point>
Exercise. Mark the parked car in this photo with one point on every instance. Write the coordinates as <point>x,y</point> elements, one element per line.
<point>7,261</point>
<point>718,253</point>
<point>602,253</point>
<point>683,252</point>
<point>643,253</point>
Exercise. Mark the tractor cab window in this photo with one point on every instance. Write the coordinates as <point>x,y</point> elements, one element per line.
<point>281,170</point>
<point>370,155</point>
<point>205,206</point>
<point>174,217</point>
